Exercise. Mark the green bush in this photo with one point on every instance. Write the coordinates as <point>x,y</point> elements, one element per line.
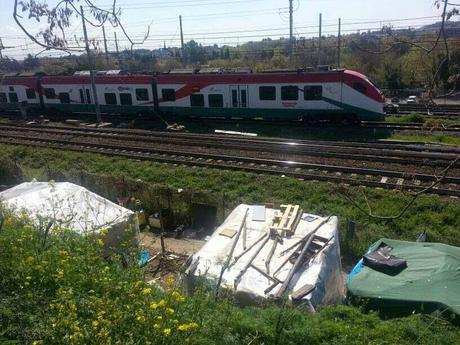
<point>413,117</point>
<point>57,288</point>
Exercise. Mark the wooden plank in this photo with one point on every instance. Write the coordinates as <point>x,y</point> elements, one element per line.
<point>285,216</point>
<point>292,218</point>
<point>228,232</point>
<point>302,292</point>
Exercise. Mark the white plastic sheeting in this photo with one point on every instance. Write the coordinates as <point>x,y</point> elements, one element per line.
<point>323,270</point>
<point>68,205</point>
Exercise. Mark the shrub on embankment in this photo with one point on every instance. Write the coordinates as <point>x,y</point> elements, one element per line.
<point>57,288</point>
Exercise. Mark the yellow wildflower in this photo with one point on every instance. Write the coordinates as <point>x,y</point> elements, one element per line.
<point>162,303</point>
<point>187,327</point>
<point>170,281</point>
<point>153,305</point>
<point>167,331</point>
<point>60,274</point>
<point>170,311</point>
<point>156,326</point>
<point>95,323</point>
<point>30,259</point>
<point>146,291</point>
<point>100,242</point>
<point>177,296</point>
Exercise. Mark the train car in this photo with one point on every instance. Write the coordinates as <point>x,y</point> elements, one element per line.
<point>116,94</point>
<point>296,95</point>
<point>288,95</point>
<point>18,91</point>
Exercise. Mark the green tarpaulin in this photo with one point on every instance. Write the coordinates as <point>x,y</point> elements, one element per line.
<point>430,281</point>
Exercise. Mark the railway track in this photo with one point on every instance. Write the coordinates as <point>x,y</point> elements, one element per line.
<point>101,141</point>
<point>411,126</point>
<point>371,152</point>
<point>438,110</point>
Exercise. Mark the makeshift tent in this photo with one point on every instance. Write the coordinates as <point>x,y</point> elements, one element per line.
<point>70,206</point>
<point>430,281</point>
<point>250,277</point>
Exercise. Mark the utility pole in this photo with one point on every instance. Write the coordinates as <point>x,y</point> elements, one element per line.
<point>291,36</point>
<point>339,42</point>
<point>118,52</point>
<point>105,46</point>
<point>184,62</point>
<point>320,37</point>
<point>91,71</point>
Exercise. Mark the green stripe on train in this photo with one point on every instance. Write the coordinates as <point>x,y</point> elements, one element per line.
<point>269,114</point>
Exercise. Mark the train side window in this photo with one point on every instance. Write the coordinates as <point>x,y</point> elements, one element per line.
<point>313,93</point>
<point>64,97</point>
<point>360,87</point>
<point>197,100</point>
<point>168,95</point>
<point>126,99</point>
<point>267,93</point>
<point>110,98</point>
<point>11,89</point>
<point>30,93</point>
<point>142,94</point>
<point>82,96</point>
<point>13,97</point>
<point>289,93</point>
<point>216,101</point>
<point>3,97</point>
<point>50,93</point>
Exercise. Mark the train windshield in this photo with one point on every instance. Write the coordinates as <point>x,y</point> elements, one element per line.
<point>375,85</point>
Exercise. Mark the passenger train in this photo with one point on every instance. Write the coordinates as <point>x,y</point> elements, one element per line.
<point>274,95</point>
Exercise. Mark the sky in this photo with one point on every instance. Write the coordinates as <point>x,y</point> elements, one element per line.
<point>229,22</point>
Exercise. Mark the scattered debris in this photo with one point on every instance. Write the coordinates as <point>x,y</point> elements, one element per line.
<point>221,131</point>
<point>301,262</point>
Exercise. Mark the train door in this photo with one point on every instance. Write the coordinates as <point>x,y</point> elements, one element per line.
<point>239,96</point>
<point>85,95</point>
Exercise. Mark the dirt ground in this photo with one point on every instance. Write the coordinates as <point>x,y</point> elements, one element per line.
<point>165,268</point>
<point>181,246</point>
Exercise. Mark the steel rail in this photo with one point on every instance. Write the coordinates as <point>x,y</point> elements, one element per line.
<point>370,153</point>
<point>259,166</point>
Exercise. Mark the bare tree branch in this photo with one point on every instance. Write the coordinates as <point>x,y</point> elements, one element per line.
<point>59,18</point>
<point>36,13</point>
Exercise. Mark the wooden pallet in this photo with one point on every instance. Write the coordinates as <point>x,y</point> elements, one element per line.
<point>285,222</point>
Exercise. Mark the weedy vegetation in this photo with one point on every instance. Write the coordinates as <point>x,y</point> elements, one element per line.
<point>60,288</point>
